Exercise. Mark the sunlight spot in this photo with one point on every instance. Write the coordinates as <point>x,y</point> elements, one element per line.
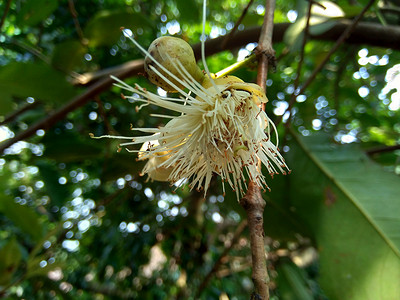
<point>316,123</point>
<point>281,107</point>
<point>173,27</point>
<point>5,133</point>
<point>71,245</point>
<point>217,218</point>
<point>83,225</point>
<point>132,227</point>
<point>149,193</point>
<point>292,16</point>
<point>93,115</point>
<point>260,9</point>
<point>161,92</point>
<point>363,91</point>
<point>348,138</point>
<point>363,52</point>
<point>301,98</point>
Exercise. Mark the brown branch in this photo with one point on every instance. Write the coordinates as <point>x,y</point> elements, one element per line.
<point>220,259</point>
<point>136,67</point>
<point>78,28</point>
<point>234,29</point>
<point>3,17</point>
<point>383,149</point>
<point>264,47</point>
<point>372,34</point>
<point>364,33</point>
<point>254,204</point>
<point>345,35</point>
<point>18,112</point>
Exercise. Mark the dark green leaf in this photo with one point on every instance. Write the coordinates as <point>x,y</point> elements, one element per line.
<point>6,104</point>
<point>68,55</point>
<point>105,27</point>
<point>35,11</point>
<point>351,205</point>
<point>22,216</point>
<point>34,80</point>
<point>10,255</point>
<point>189,11</point>
<point>292,282</point>
<point>58,193</point>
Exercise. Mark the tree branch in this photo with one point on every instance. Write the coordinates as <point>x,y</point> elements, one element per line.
<point>345,35</point>
<point>136,66</point>
<point>234,29</point>
<point>367,33</point>
<point>3,17</point>
<point>383,149</point>
<point>220,259</point>
<point>252,202</point>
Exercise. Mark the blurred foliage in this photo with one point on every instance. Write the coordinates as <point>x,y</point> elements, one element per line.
<point>77,221</point>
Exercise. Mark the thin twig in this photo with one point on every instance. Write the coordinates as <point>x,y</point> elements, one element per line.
<point>339,42</point>
<point>95,89</point>
<point>303,46</point>
<point>264,47</point>
<point>78,28</point>
<point>18,112</point>
<point>30,49</point>
<point>3,17</point>
<point>103,114</point>
<point>218,262</point>
<point>383,149</point>
<point>234,29</point>
<point>300,64</point>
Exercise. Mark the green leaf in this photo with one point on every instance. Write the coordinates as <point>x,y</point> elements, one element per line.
<point>105,28</point>
<point>6,104</point>
<point>352,207</point>
<point>292,282</point>
<point>321,20</point>
<point>71,147</point>
<point>58,193</point>
<point>188,11</point>
<point>33,268</point>
<point>35,80</point>
<point>10,255</point>
<point>35,11</point>
<point>22,216</point>
<point>68,55</point>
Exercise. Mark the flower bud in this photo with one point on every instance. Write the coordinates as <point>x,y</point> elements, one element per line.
<point>167,51</point>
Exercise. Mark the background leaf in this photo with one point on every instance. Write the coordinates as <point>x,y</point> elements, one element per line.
<point>105,27</point>
<point>353,214</point>
<point>35,11</point>
<point>68,55</point>
<point>10,257</point>
<point>35,80</point>
<point>22,216</point>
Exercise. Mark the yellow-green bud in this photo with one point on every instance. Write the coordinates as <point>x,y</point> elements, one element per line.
<point>167,50</point>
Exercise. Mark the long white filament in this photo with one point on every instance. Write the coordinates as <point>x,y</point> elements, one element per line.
<point>203,46</point>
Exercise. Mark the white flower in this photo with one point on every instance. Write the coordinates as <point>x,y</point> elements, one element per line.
<point>220,130</point>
